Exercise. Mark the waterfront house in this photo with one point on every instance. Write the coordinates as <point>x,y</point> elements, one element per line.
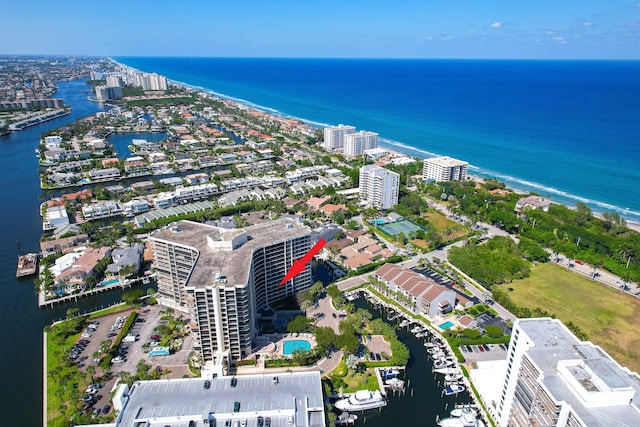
<point>532,202</point>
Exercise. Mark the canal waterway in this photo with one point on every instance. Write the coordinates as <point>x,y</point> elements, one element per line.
<point>423,402</point>
<point>22,320</point>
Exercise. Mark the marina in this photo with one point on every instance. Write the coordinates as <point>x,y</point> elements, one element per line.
<point>419,384</point>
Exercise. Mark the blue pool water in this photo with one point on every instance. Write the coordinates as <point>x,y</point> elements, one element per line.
<point>110,282</point>
<point>445,325</point>
<point>378,221</point>
<point>292,345</point>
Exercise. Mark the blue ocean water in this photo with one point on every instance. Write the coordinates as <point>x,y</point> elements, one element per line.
<point>568,130</point>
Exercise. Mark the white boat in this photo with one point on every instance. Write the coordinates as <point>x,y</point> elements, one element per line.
<point>453,377</point>
<point>394,382</point>
<point>345,419</point>
<point>420,335</point>
<point>416,329</point>
<point>447,370</point>
<point>467,419</point>
<point>404,323</point>
<point>361,400</point>
<point>442,363</point>
<point>453,389</point>
<point>463,411</point>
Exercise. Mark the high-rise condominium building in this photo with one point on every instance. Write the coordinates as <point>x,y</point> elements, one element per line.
<point>114,81</point>
<point>225,278</point>
<point>356,143</point>
<point>106,93</point>
<point>444,169</point>
<point>554,379</point>
<point>334,136</point>
<point>379,186</point>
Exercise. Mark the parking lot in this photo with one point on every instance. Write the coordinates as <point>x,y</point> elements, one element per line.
<point>482,352</point>
<point>105,329</point>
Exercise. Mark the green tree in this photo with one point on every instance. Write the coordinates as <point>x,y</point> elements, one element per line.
<point>325,336</point>
<point>494,331</point>
<point>348,342</point>
<point>299,324</point>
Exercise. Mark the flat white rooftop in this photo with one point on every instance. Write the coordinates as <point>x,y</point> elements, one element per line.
<point>187,403</point>
<point>583,375</point>
<point>446,161</point>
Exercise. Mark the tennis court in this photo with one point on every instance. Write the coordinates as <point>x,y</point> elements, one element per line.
<point>400,227</point>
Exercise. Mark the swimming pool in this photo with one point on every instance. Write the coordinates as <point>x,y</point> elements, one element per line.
<point>378,221</point>
<point>110,282</point>
<point>292,345</point>
<point>445,325</point>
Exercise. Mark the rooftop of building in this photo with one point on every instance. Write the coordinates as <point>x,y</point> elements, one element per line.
<point>561,356</point>
<point>231,265</point>
<point>446,161</point>
<point>186,402</point>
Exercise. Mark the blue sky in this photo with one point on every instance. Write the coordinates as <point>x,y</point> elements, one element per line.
<point>572,29</point>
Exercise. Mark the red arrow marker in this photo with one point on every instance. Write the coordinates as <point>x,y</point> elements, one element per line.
<point>298,265</point>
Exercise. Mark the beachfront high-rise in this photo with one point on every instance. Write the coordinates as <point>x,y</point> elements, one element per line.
<point>225,278</point>
<point>554,379</point>
<point>444,169</point>
<point>334,136</point>
<point>356,143</point>
<point>379,187</point>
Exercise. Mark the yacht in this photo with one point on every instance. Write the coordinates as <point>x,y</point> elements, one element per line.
<point>362,400</point>
<point>447,370</point>
<point>456,376</point>
<point>461,419</point>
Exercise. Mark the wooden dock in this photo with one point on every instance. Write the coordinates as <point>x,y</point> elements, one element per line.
<point>42,302</point>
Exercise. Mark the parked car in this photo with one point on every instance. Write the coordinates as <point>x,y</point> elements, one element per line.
<point>206,384</point>
<point>577,261</point>
<point>106,409</point>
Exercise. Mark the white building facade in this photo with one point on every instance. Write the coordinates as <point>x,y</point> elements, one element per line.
<point>379,187</point>
<point>334,136</point>
<point>554,379</point>
<point>355,144</point>
<point>225,278</point>
<point>444,169</point>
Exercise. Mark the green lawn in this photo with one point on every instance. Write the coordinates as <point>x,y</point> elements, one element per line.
<point>441,223</point>
<point>607,316</point>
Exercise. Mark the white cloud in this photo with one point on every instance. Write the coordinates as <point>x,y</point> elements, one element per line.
<point>559,40</point>
<point>587,24</point>
<point>496,25</point>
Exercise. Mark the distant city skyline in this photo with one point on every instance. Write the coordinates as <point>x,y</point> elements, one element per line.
<point>570,29</point>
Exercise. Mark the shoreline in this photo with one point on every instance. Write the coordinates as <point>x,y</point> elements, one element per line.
<point>515,184</point>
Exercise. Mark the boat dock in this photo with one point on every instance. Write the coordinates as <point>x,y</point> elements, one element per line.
<point>42,302</point>
<point>27,265</point>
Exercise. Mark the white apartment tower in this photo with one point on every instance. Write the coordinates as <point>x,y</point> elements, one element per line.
<point>444,169</point>
<point>379,186</point>
<point>334,136</point>
<point>554,379</point>
<point>114,81</point>
<point>356,143</point>
<point>224,278</point>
